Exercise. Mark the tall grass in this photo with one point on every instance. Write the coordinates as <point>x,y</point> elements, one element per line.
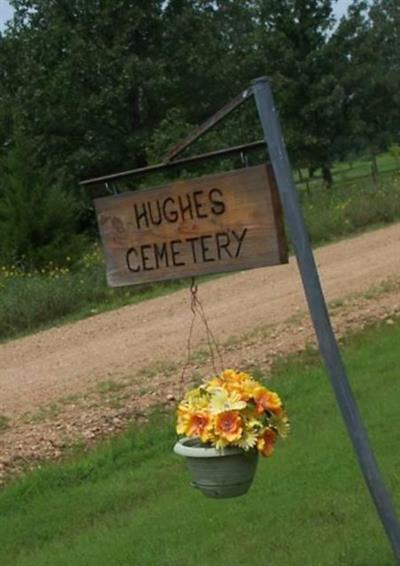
<point>29,301</point>
<point>351,207</point>
<point>129,502</point>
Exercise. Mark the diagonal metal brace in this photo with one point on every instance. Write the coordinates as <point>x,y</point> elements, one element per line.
<point>208,124</point>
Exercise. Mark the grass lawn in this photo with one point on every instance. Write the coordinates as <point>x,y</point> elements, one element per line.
<point>129,501</point>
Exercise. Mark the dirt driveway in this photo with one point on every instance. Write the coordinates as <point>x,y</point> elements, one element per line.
<point>39,369</point>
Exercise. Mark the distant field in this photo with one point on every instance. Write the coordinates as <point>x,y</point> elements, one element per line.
<point>344,172</point>
<point>129,502</point>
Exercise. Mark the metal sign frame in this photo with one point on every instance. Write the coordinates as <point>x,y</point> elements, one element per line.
<point>328,347</point>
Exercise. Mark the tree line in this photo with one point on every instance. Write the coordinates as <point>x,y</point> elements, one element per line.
<point>89,87</point>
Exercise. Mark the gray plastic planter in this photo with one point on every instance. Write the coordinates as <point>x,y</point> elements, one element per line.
<point>228,472</point>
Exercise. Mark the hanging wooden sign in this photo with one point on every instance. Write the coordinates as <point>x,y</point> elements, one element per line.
<point>210,224</point>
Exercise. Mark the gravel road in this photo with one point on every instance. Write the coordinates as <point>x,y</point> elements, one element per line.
<point>38,369</point>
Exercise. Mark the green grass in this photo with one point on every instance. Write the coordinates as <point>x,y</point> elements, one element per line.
<point>129,501</point>
<point>344,172</point>
<point>4,422</point>
<point>351,208</point>
<point>38,301</point>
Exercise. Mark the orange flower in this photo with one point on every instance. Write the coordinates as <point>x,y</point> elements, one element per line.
<point>230,375</point>
<point>229,426</point>
<point>199,424</point>
<point>266,443</point>
<point>240,383</point>
<point>266,400</point>
<point>215,382</point>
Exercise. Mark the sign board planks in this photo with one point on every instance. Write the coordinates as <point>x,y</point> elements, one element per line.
<point>211,224</point>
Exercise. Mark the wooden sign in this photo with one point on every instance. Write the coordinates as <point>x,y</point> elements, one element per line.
<point>211,224</point>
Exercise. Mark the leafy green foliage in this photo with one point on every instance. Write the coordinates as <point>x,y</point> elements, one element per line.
<point>85,86</point>
<point>37,217</point>
<point>394,151</point>
<point>99,86</point>
<point>367,47</point>
<point>294,42</point>
<point>96,82</point>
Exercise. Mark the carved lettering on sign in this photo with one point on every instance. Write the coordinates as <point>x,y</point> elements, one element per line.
<point>207,225</point>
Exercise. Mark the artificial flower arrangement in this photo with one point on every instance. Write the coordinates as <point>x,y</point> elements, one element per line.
<point>233,410</point>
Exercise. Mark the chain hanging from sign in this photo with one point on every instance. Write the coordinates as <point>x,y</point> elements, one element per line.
<point>197,310</point>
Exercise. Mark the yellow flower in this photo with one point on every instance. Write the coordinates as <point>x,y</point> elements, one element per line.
<point>280,422</point>
<point>220,442</point>
<point>222,401</point>
<point>197,399</point>
<point>193,423</point>
<point>229,426</point>
<point>214,382</point>
<point>233,409</point>
<point>182,419</point>
<point>230,377</point>
<point>248,389</point>
<point>236,382</point>
<point>248,440</point>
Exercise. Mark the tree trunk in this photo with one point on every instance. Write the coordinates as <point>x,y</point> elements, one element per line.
<point>374,170</point>
<point>327,176</point>
<point>304,180</point>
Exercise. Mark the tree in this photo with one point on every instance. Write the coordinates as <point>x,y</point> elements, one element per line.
<point>38,218</point>
<point>88,81</point>
<point>368,46</point>
<point>294,41</point>
<point>95,78</point>
<point>207,46</point>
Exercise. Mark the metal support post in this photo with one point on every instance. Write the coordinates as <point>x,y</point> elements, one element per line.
<point>319,313</point>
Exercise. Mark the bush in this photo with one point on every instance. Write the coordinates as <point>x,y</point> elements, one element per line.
<point>37,217</point>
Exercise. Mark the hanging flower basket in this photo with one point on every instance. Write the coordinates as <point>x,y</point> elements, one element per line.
<point>227,472</point>
<point>226,423</point>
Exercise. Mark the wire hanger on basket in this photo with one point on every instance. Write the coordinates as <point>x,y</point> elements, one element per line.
<point>197,309</point>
